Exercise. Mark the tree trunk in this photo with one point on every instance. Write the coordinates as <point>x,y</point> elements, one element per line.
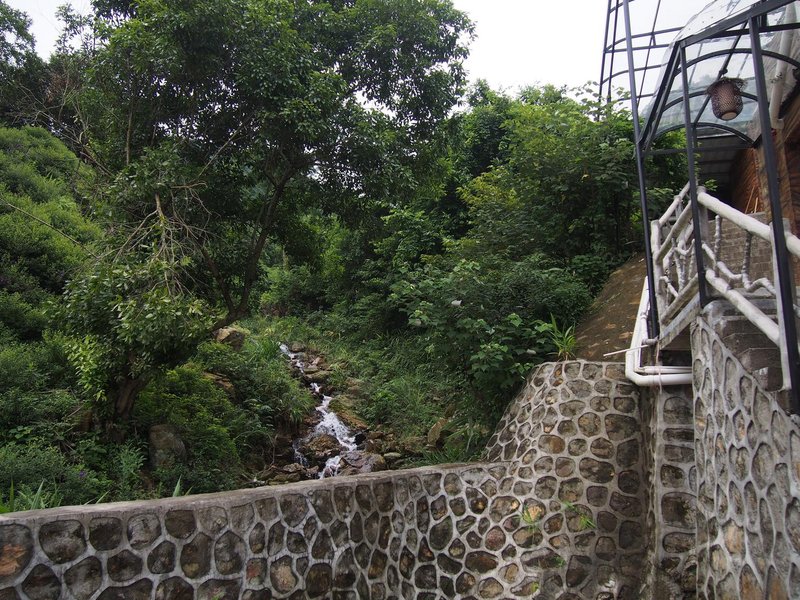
<point>126,395</point>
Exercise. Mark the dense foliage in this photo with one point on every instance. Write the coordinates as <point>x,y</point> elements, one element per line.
<point>302,167</point>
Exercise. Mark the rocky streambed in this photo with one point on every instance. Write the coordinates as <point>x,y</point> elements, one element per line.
<point>333,441</point>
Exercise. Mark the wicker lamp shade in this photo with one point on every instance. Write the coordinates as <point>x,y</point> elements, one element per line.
<point>726,98</point>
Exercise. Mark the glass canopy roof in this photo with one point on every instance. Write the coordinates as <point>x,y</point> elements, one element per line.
<point>717,43</point>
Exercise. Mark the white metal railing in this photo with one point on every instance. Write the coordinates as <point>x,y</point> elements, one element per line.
<point>748,285</point>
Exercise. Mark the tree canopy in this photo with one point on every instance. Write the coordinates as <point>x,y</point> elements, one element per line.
<point>217,123</point>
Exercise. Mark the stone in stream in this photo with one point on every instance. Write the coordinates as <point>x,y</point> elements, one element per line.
<point>319,376</point>
<point>320,447</point>
<point>354,463</point>
<point>392,457</point>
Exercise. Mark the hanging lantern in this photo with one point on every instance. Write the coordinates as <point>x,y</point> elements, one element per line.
<point>726,98</point>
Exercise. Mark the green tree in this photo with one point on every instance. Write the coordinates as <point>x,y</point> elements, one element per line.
<point>22,72</point>
<point>572,164</point>
<point>16,41</point>
<point>218,121</point>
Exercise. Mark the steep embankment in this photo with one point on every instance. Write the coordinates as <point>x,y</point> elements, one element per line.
<point>608,325</point>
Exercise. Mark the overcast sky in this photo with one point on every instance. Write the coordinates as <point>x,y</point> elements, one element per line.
<point>519,42</point>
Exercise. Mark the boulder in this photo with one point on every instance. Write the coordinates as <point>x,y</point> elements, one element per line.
<point>282,450</point>
<point>374,446</point>
<point>282,478</point>
<point>225,384</point>
<point>318,448</point>
<point>231,336</point>
<point>436,433</point>
<point>293,468</point>
<point>345,407</point>
<point>355,387</point>
<point>354,463</point>
<point>392,457</point>
<point>166,448</point>
<point>412,446</point>
<point>320,376</point>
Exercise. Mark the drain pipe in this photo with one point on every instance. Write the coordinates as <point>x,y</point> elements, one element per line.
<point>779,80</point>
<point>656,375</point>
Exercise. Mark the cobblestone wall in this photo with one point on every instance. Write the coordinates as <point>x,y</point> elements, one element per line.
<point>575,435</point>
<point>566,456</point>
<point>748,462</point>
<point>668,418</point>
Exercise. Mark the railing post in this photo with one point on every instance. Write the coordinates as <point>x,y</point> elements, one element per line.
<point>699,224</point>
<point>658,267</point>
<point>784,282</point>
<point>637,134</point>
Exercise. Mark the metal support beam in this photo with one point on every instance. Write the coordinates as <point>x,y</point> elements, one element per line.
<point>698,216</point>
<point>784,285</point>
<point>654,324</point>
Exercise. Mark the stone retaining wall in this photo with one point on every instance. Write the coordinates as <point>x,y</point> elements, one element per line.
<point>668,417</point>
<point>748,463</point>
<point>558,512</point>
<point>574,433</point>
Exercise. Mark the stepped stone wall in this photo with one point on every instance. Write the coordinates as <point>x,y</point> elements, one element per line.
<point>748,475</point>
<point>566,456</point>
<point>668,419</point>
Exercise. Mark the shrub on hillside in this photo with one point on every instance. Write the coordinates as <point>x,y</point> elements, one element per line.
<point>25,467</point>
<point>207,422</point>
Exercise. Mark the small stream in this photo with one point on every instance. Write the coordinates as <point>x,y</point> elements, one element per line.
<point>330,423</point>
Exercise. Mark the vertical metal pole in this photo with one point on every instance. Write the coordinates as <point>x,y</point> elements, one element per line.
<point>697,215</point>
<point>605,54</point>
<point>785,284</point>
<point>648,251</point>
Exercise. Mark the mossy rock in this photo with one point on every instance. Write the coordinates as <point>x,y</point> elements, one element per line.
<point>347,409</point>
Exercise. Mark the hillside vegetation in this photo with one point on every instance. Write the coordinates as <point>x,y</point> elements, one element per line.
<point>312,172</point>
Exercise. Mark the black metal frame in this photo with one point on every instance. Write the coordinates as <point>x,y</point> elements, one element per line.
<point>750,24</point>
<point>785,283</point>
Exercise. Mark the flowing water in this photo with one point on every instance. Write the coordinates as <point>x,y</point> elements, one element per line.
<point>330,423</point>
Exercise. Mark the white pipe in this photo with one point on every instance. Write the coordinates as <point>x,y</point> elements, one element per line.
<point>779,81</point>
<point>793,243</point>
<point>653,375</point>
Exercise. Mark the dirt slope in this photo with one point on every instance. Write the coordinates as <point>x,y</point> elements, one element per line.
<point>608,326</point>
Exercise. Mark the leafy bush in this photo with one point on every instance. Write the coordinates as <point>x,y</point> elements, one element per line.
<point>404,403</point>
<point>593,269</point>
<point>291,289</point>
<point>34,366</point>
<point>484,318</point>
<point>204,419</point>
<point>43,235</point>
<point>260,377</point>
<point>126,323</point>
<point>27,466</point>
